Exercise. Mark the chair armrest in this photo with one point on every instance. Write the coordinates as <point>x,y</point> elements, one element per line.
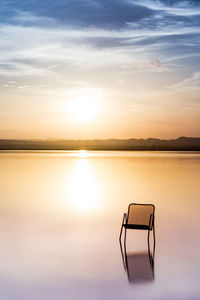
<point>125,218</point>
<point>151,221</point>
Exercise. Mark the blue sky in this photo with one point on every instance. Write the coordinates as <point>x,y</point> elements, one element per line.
<point>141,57</point>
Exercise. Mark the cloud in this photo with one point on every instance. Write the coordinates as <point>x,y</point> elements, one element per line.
<point>84,13</point>
<point>190,84</point>
<point>109,14</point>
<point>57,52</point>
<point>27,18</point>
<point>173,7</point>
<point>156,64</point>
<point>55,40</point>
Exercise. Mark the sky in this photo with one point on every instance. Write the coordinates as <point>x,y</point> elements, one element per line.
<point>86,69</point>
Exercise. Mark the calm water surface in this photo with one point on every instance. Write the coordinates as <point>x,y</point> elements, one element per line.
<point>60,217</point>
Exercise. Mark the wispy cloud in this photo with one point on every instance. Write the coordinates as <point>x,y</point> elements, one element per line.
<point>154,64</point>
<point>191,84</point>
<point>98,13</point>
<point>174,7</point>
<point>49,48</point>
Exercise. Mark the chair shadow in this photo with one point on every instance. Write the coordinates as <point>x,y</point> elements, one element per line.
<point>139,266</point>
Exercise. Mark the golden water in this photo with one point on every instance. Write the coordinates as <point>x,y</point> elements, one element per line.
<point>60,217</point>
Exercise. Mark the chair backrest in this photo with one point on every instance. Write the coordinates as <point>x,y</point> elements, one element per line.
<point>139,214</point>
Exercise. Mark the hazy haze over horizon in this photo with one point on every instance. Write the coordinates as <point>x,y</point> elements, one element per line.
<point>99,69</point>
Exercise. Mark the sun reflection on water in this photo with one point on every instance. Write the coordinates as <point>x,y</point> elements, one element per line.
<point>83,186</point>
<point>83,153</point>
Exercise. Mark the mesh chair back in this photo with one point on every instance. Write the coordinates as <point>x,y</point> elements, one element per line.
<point>139,214</point>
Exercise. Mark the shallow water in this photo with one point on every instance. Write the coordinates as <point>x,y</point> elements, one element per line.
<point>60,218</point>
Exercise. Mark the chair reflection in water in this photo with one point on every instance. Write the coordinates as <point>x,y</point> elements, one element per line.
<point>139,265</point>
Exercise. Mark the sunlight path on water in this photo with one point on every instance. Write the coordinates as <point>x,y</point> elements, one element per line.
<point>83,188</point>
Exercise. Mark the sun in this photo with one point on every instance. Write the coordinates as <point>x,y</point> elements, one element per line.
<point>84,108</point>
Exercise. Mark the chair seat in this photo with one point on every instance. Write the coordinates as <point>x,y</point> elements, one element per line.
<point>137,226</point>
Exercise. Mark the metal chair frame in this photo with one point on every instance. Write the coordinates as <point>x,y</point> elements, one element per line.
<point>150,227</point>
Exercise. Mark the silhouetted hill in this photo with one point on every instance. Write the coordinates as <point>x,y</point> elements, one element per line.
<point>181,143</point>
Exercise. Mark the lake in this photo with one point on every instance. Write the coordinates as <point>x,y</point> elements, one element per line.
<point>60,219</point>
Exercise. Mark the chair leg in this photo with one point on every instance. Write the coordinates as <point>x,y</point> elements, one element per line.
<point>120,242</point>
<point>121,233</point>
<point>125,240</point>
<point>123,255</point>
<point>154,240</point>
<point>148,241</point>
<point>122,227</point>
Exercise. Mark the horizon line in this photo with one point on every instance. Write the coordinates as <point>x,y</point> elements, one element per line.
<point>94,139</point>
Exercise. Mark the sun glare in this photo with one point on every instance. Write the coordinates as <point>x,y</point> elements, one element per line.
<point>83,153</point>
<point>83,188</point>
<point>85,107</point>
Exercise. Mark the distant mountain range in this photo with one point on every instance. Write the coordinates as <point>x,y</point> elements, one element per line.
<point>179,144</point>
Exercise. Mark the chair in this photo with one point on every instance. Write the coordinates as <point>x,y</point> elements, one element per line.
<point>140,217</point>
